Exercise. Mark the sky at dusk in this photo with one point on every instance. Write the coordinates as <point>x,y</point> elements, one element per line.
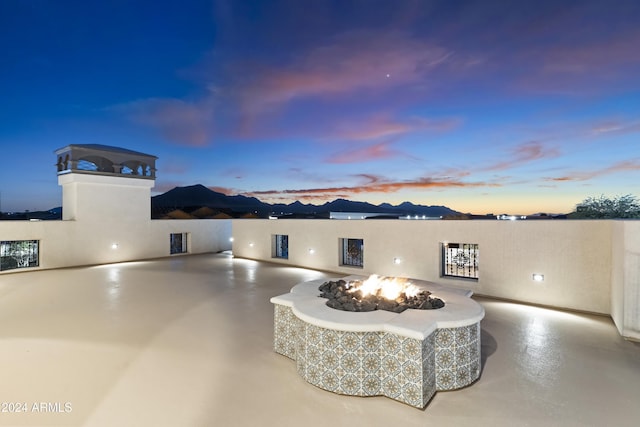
<point>483,106</point>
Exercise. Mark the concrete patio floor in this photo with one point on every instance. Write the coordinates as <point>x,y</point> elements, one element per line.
<point>187,341</point>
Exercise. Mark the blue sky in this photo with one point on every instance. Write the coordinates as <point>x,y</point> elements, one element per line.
<point>482,106</point>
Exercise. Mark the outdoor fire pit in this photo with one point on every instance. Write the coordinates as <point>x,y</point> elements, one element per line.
<point>406,354</point>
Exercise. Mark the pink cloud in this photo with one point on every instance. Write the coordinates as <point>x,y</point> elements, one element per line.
<point>616,127</point>
<point>369,178</point>
<point>331,128</point>
<point>384,126</point>
<point>374,185</point>
<point>349,67</point>
<point>623,166</point>
<point>377,151</point>
<point>377,127</point>
<point>524,153</point>
<point>352,62</point>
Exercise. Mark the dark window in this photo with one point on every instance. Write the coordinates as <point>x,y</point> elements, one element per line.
<point>18,254</point>
<point>352,252</point>
<point>178,242</point>
<point>281,246</point>
<point>460,260</point>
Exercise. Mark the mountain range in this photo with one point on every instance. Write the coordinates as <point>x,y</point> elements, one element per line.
<point>196,196</point>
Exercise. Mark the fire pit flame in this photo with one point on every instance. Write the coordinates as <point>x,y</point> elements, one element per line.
<point>378,293</point>
<point>386,287</point>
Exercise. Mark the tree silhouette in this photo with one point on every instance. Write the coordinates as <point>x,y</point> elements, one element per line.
<point>603,207</point>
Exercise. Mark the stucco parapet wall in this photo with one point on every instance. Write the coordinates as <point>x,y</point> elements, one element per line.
<point>104,179</point>
<point>459,310</point>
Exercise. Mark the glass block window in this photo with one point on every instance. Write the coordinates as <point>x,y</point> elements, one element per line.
<point>352,252</point>
<point>280,246</point>
<point>178,243</point>
<point>460,260</point>
<point>19,254</point>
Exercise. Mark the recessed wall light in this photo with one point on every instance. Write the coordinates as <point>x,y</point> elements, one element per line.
<point>251,244</point>
<point>311,251</point>
<point>114,246</point>
<point>537,277</point>
<point>397,260</point>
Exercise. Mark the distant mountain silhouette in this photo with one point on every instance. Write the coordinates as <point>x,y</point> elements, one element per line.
<point>199,195</point>
<point>195,196</point>
<point>51,214</point>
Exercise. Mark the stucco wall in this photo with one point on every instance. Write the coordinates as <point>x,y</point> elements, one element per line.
<point>74,243</point>
<point>625,278</point>
<point>574,256</point>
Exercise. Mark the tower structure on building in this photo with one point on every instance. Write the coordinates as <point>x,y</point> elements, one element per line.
<point>105,183</point>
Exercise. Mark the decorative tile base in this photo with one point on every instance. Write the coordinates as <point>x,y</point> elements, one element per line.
<point>379,363</point>
<point>457,356</point>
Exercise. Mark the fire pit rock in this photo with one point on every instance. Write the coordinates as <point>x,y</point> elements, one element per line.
<point>348,296</point>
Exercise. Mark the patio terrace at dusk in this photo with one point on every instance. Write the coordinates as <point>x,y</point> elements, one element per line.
<point>189,341</point>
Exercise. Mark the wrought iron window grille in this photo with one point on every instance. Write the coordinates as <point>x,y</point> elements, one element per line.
<point>460,260</point>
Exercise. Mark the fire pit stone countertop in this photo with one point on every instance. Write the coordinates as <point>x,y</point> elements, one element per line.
<point>406,356</point>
